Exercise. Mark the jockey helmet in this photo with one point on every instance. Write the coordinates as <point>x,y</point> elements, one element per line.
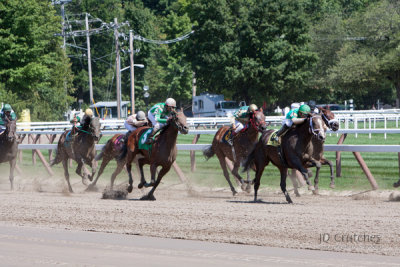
<point>89,112</point>
<point>294,105</point>
<point>7,107</point>
<point>305,109</point>
<point>252,108</point>
<point>170,102</point>
<point>140,116</point>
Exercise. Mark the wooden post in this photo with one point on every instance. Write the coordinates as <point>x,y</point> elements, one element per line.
<point>367,172</point>
<point>338,157</point>
<point>45,164</point>
<point>20,151</point>
<point>179,172</point>
<point>193,153</point>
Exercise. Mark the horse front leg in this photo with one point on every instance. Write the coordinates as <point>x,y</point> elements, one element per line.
<point>293,177</point>
<point>316,179</point>
<point>143,182</point>
<point>164,170</point>
<point>79,171</point>
<point>13,163</point>
<point>324,161</point>
<point>283,184</point>
<point>298,166</point>
<point>66,174</point>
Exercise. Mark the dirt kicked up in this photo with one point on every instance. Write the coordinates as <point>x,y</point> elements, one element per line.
<point>333,221</point>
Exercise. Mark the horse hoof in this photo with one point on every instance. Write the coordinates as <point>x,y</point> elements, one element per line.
<point>90,178</point>
<point>234,193</point>
<point>130,187</point>
<point>311,187</point>
<point>397,184</point>
<point>140,185</point>
<point>297,194</point>
<point>315,192</point>
<point>148,197</point>
<point>148,184</point>
<point>332,186</point>
<point>248,188</point>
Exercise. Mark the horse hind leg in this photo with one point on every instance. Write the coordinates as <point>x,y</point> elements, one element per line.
<point>13,163</point>
<point>226,174</point>
<point>103,165</point>
<point>235,171</point>
<point>328,162</point>
<point>293,177</point>
<point>66,174</point>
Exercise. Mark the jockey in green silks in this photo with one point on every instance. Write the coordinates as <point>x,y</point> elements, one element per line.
<point>294,116</point>
<point>242,116</point>
<point>7,114</point>
<point>158,116</point>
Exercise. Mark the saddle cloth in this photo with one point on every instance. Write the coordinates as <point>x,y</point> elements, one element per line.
<point>270,142</point>
<point>226,136</point>
<point>117,143</point>
<point>143,138</point>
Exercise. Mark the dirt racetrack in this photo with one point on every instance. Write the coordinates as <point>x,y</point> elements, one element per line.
<point>362,223</point>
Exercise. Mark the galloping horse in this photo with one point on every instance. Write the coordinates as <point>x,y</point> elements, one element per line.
<point>162,153</point>
<point>317,151</point>
<point>294,148</point>
<point>243,144</point>
<point>80,148</point>
<point>9,147</point>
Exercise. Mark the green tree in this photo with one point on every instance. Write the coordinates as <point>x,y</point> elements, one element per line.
<point>34,70</point>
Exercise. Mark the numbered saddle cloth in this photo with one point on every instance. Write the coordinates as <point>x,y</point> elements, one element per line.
<point>143,138</point>
<point>270,142</point>
<point>117,142</point>
<point>227,136</point>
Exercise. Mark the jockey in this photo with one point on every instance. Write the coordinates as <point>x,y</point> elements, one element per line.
<point>84,121</point>
<point>7,114</point>
<point>295,116</point>
<point>242,116</point>
<point>158,116</point>
<point>135,121</point>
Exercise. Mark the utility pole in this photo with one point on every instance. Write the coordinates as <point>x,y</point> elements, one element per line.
<point>89,59</point>
<point>63,23</point>
<point>132,72</point>
<point>117,68</point>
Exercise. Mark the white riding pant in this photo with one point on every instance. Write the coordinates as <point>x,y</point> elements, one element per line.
<point>287,122</point>
<point>156,125</point>
<point>238,126</point>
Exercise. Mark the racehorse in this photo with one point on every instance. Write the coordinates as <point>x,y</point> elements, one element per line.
<point>294,150</point>
<point>111,150</point>
<point>9,147</point>
<point>162,153</point>
<point>243,144</point>
<point>80,148</point>
<point>317,151</point>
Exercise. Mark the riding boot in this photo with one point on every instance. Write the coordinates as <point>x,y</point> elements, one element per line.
<point>150,139</point>
<point>125,138</point>
<point>282,131</point>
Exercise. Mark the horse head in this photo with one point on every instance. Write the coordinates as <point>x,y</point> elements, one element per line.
<point>11,130</point>
<point>329,118</point>
<point>257,120</point>
<point>317,127</point>
<point>178,119</point>
<point>94,128</point>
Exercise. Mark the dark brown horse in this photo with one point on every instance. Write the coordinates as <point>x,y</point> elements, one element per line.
<point>294,148</point>
<point>163,152</point>
<point>317,151</point>
<point>80,148</point>
<point>243,144</point>
<point>9,147</point>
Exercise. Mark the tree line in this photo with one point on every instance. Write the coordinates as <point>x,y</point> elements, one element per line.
<point>260,51</point>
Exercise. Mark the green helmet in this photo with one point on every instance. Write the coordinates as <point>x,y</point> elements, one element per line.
<point>7,107</point>
<point>305,109</point>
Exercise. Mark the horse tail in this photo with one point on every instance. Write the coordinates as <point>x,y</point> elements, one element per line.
<point>57,159</point>
<point>208,152</point>
<point>249,161</point>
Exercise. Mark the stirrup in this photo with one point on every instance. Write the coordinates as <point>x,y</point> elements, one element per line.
<point>149,141</point>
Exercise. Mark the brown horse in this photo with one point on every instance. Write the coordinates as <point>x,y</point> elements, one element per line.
<point>163,152</point>
<point>316,149</point>
<point>9,147</point>
<point>295,150</point>
<point>111,150</point>
<point>243,144</point>
<point>80,148</point>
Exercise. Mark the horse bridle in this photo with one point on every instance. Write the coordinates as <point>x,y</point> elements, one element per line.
<point>177,124</point>
<point>253,123</point>
<point>327,121</point>
<point>314,131</point>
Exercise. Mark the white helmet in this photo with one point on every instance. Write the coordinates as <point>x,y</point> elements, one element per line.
<point>294,105</point>
<point>252,108</point>
<point>140,116</point>
<point>89,112</point>
<point>170,102</point>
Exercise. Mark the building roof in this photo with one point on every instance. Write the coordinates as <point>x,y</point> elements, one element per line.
<point>108,104</point>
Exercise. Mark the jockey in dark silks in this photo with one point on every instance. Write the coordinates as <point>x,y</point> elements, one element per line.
<point>7,114</point>
<point>83,122</point>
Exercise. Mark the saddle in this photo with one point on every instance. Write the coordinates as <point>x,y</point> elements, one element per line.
<point>142,140</point>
